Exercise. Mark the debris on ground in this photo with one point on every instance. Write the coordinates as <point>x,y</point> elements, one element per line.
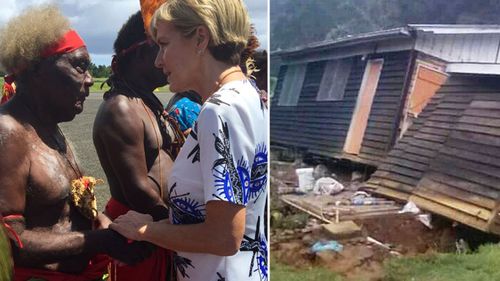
<point>322,246</point>
<point>321,218</point>
<point>327,186</point>
<point>343,230</point>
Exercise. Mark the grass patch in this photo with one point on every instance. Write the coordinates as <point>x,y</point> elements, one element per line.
<point>96,88</point>
<point>482,265</point>
<point>280,272</point>
<point>289,221</point>
<point>5,258</point>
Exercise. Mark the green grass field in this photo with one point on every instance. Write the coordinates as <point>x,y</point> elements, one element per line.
<point>280,272</point>
<point>479,266</point>
<point>96,88</point>
<point>79,134</point>
<point>482,265</point>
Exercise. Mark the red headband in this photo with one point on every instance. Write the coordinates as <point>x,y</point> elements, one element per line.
<point>68,43</point>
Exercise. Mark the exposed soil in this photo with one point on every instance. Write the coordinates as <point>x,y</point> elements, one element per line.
<point>359,258</point>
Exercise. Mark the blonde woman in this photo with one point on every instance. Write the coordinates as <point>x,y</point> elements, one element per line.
<point>217,187</point>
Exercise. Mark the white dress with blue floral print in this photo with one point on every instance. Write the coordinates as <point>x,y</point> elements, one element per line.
<point>224,158</point>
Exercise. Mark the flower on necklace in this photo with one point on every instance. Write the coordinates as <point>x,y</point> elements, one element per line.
<point>251,67</point>
<point>83,197</point>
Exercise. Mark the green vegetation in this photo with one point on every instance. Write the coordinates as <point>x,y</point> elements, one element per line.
<point>96,88</point>
<point>99,71</point>
<point>5,259</point>
<point>297,22</point>
<point>288,221</point>
<point>98,81</point>
<point>482,265</point>
<point>479,266</point>
<point>280,272</point>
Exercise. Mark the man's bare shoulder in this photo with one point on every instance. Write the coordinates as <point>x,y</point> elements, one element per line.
<point>119,105</point>
<point>118,114</point>
<point>14,139</point>
<point>11,128</point>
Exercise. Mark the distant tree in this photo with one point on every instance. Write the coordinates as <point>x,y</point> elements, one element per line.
<point>99,71</point>
<point>297,22</point>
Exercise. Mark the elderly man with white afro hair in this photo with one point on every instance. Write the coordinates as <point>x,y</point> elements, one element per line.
<point>47,203</point>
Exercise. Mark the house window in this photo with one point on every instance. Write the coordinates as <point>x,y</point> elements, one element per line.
<point>334,80</point>
<point>292,85</point>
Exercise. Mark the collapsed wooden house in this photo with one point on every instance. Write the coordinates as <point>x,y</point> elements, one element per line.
<point>448,162</point>
<point>355,97</point>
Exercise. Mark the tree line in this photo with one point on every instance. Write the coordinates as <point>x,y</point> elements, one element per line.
<point>99,71</point>
<point>297,22</point>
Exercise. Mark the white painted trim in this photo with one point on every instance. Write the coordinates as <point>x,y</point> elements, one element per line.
<point>457,28</point>
<point>358,102</point>
<point>473,68</point>
<point>351,51</point>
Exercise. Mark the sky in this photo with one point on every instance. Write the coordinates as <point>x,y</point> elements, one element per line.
<point>98,21</point>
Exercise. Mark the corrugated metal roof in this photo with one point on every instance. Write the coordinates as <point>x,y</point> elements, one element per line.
<point>457,28</point>
<point>349,40</point>
<point>401,32</point>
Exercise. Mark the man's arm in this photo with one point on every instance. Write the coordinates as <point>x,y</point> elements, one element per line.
<point>119,138</point>
<point>224,228</point>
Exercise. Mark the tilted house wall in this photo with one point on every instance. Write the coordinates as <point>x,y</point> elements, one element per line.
<point>448,162</point>
<point>321,127</point>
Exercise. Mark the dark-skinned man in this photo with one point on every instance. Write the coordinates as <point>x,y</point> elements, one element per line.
<point>132,142</point>
<point>40,178</point>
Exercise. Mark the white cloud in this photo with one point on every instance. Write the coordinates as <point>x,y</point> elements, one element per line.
<point>98,21</point>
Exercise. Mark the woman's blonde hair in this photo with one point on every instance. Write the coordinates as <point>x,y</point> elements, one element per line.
<point>226,20</point>
<point>25,37</point>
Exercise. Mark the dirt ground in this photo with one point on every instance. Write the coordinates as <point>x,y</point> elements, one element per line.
<point>359,259</point>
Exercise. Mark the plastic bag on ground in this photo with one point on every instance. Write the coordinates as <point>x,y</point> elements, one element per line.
<point>331,245</point>
<point>327,186</point>
<point>410,207</point>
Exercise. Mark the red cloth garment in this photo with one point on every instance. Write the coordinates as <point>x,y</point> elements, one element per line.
<point>115,209</point>
<point>68,43</point>
<point>153,268</point>
<point>11,231</point>
<point>96,269</point>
